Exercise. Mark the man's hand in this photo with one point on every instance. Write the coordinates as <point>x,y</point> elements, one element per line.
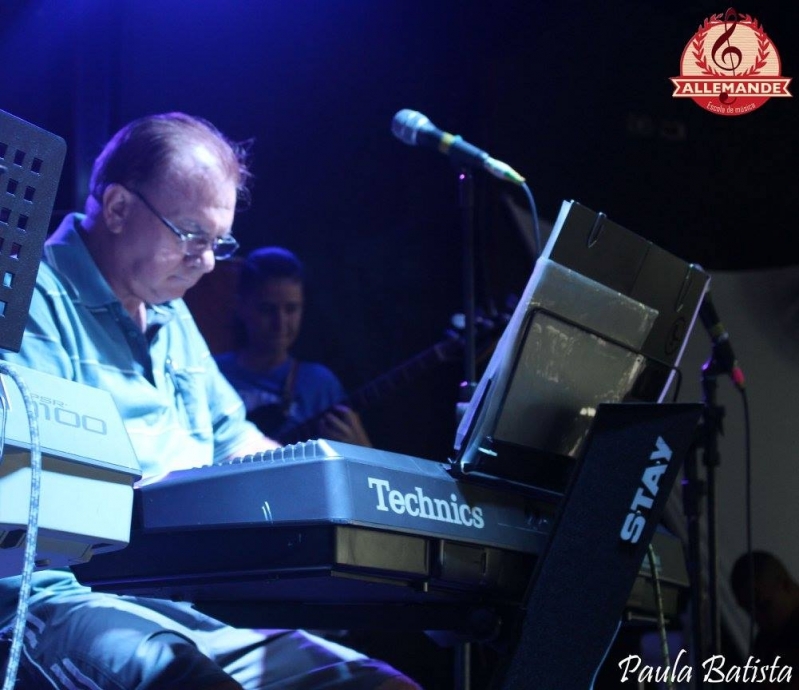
<point>254,444</point>
<point>344,424</point>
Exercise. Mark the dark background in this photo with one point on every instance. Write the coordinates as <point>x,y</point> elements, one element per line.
<point>575,95</point>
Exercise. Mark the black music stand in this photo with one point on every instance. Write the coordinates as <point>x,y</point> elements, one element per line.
<point>31,160</point>
<point>607,518</point>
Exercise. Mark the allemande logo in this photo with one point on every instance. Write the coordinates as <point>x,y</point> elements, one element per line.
<point>417,504</point>
<point>730,66</point>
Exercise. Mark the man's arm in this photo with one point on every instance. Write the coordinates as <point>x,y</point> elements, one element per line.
<point>254,445</point>
<point>234,436</point>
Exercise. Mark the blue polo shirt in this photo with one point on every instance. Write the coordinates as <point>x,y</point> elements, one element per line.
<point>177,407</point>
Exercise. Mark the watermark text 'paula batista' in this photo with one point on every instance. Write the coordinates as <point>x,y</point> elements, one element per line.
<point>712,670</point>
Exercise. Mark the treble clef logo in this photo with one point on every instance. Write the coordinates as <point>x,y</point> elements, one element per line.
<point>730,56</point>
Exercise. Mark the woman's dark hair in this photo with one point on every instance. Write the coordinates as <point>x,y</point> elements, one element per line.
<point>764,566</point>
<point>268,263</point>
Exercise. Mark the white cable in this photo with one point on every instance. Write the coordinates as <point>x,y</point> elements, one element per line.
<point>33,523</point>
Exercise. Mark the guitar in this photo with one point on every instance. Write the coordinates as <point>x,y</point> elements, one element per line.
<point>487,332</point>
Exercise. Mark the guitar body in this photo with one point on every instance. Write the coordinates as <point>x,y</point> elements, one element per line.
<point>270,419</point>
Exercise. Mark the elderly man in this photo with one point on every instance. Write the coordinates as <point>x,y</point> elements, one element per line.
<point>107,311</point>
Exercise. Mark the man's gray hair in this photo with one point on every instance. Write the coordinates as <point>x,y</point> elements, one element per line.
<point>144,149</point>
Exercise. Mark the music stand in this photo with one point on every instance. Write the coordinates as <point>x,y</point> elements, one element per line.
<point>572,402</point>
<point>31,160</point>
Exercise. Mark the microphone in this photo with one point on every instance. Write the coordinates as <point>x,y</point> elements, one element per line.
<point>723,354</point>
<point>413,128</point>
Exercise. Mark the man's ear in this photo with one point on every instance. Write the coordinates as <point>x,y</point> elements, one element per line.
<point>116,207</point>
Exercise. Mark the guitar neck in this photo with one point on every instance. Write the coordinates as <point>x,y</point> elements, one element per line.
<point>402,375</point>
<point>372,392</point>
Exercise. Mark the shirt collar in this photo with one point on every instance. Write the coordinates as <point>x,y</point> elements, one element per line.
<point>66,252</point>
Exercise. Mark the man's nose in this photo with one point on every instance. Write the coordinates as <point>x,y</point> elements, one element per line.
<point>207,261</point>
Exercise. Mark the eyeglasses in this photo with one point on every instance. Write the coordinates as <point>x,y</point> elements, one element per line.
<point>196,243</point>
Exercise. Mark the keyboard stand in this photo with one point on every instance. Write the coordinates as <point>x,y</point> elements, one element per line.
<point>606,521</point>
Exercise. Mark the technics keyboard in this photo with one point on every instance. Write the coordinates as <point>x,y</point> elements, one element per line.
<point>322,526</point>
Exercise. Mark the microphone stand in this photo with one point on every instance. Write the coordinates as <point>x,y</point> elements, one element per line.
<point>693,491</point>
<point>705,642</point>
<point>462,651</point>
<point>466,205</point>
<point>712,417</point>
